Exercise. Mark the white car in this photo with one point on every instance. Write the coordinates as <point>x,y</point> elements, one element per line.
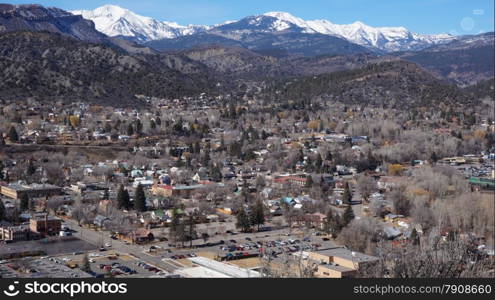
<point>108,245</point>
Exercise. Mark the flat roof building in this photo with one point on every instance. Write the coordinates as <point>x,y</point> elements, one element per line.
<point>45,225</point>
<point>16,191</point>
<point>206,267</point>
<point>339,262</point>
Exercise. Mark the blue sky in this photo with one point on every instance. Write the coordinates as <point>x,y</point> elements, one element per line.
<point>422,16</point>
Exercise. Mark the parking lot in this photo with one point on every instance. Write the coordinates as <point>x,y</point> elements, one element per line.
<point>241,246</point>
<point>39,268</point>
<point>51,246</point>
<point>113,263</point>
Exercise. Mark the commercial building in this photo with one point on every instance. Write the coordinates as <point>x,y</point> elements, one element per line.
<point>209,268</point>
<point>184,191</point>
<point>16,191</point>
<point>14,233</point>
<point>45,225</point>
<point>339,262</point>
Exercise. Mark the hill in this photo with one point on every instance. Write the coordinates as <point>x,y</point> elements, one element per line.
<point>52,66</point>
<point>396,84</point>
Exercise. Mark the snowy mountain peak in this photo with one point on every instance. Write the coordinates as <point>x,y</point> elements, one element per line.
<point>114,20</point>
<point>383,38</point>
<point>117,21</point>
<point>112,11</point>
<point>287,17</point>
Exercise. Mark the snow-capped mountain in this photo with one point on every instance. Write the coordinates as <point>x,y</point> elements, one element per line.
<point>113,21</point>
<point>384,38</point>
<point>116,21</point>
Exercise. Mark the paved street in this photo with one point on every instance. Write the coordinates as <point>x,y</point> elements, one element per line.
<point>99,238</point>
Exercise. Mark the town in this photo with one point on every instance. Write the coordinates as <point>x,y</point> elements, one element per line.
<point>217,186</point>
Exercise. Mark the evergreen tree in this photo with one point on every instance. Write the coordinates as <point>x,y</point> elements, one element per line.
<point>329,156</point>
<point>206,158</point>
<point>348,216</point>
<point>31,169</point>
<point>139,126</point>
<point>318,163</point>
<point>12,134</point>
<point>215,173</point>
<point>85,265</point>
<point>123,199</point>
<point>2,211</point>
<point>257,214</point>
<point>309,181</point>
<point>264,135</point>
<point>347,196</point>
<point>191,229</point>
<point>434,157</point>
<point>243,221</point>
<point>415,237</point>
<point>333,223</point>
<point>24,202</point>
<point>130,130</point>
<point>174,226</point>
<point>139,199</point>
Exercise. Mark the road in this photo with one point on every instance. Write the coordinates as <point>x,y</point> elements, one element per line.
<point>163,261</point>
<point>100,238</point>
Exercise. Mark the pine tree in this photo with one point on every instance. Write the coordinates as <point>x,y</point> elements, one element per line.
<point>24,202</point>
<point>2,211</point>
<point>348,216</point>
<point>329,156</point>
<point>174,226</point>
<point>13,136</point>
<point>309,181</point>
<point>215,174</point>
<point>434,157</point>
<point>123,199</point>
<point>139,126</point>
<point>347,196</point>
<point>31,169</point>
<point>130,130</point>
<point>85,265</point>
<point>191,229</point>
<point>415,237</point>
<point>243,221</point>
<point>257,214</point>
<point>318,163</point>
<point>139,199</point>
<point>333,223</point>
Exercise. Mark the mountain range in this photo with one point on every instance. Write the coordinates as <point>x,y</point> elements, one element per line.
<point>52,54</point>
<point>116,21</point>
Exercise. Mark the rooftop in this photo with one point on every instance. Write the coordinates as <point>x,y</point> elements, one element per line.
<point>223,268</point>
<point>347,254</point>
